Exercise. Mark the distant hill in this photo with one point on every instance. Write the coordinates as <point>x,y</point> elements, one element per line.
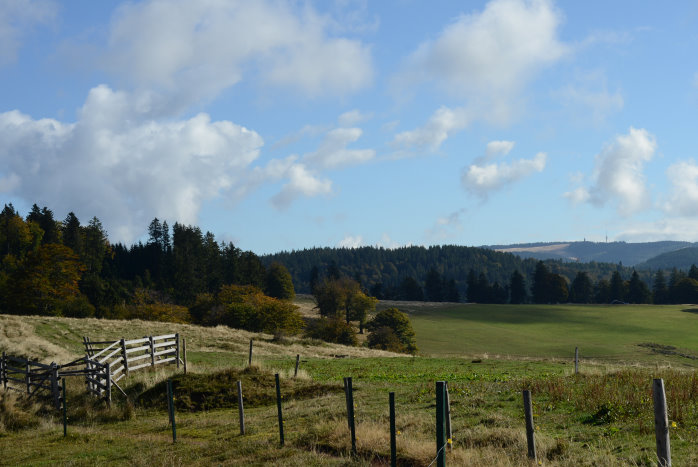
<point>680,259</point>
<point>630,254</point>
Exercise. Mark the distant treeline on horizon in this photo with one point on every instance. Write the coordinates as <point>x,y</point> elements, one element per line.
<point>64,267</point>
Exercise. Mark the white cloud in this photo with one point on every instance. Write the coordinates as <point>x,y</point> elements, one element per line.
<point>352,118</point>
<point>578,195</point>
<point>122,166</point>
<point>498,148</point>
<point>351,242</point>
<point>481,179</point>
<point>333,152</point>
<point>302,182</point>
<point>618,173</point>
<point>683,177</point>
<point>196,49</point>
<point>491,55</point>
<point>440,126</point>
<point>16,18</point>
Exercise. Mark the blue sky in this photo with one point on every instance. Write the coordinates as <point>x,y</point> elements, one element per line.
<point>285,125</point>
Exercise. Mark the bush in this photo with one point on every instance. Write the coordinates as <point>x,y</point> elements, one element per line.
<point>397,322</point>
<point>385,339</point>
<point>246,307</point>
<point>333,330</point>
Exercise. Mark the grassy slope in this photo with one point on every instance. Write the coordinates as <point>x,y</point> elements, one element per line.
<point>613,332</point>
<point>487,419</point>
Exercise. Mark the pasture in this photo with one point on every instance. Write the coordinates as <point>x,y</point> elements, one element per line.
<point>487,353</point>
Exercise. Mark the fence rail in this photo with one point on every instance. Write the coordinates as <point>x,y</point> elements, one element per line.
<point>104,364</point>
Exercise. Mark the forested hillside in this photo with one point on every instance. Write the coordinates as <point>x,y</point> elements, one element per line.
<point>387,270</point>
<point>630,254</point>
<point>680,259</point>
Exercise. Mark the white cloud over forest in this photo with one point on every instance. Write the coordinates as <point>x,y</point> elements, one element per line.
<point>487,57</point>
<point>618,173</point>
<point>196,49</point>
<point>485,175</point>
<point>120,165</point>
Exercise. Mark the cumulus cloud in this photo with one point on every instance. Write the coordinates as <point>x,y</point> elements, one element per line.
<point>197,49</point>
<point>333,152</point>
<point>683,177</point>
<point>120,165</point>
<point>16,18</point>
<point>490,55</point>
<point>301,182</point>
<point>498,148</point>
<point>618,173</point>
<point>484,176</point>
<point>440,126</point>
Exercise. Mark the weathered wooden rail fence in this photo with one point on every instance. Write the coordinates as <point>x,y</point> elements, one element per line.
<point>104,364</point>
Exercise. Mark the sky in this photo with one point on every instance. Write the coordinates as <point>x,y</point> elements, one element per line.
<point>288,125</point>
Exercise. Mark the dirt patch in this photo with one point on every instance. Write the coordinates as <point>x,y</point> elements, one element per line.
<point>667,350</point>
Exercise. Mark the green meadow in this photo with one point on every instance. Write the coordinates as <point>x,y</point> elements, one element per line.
<point>632,333</point>
<point>487,353</point>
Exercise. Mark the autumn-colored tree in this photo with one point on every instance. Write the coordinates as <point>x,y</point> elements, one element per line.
<point>46,278</point>
<point>389,323</point>
<point>246,307</point>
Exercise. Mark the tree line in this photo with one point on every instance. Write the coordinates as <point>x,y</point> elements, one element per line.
<point>456,273</point>
<point>65,268</point>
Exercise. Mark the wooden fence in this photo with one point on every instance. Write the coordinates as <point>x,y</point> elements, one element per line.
<point>105,363</point>
<point>31,376</point>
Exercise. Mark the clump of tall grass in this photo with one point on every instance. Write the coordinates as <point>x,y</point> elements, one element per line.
<point>18,413</point>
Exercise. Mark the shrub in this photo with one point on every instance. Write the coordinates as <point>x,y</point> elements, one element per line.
<point>333,330</point>
<point>398,323</point>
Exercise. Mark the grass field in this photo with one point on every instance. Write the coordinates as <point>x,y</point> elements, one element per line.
<point>488,354</point>
<point>613,333</point>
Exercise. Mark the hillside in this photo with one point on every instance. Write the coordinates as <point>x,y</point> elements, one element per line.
<point>373,266</point>
<point>487,354</point>
<point>630,254</point>
<point>680,259</point>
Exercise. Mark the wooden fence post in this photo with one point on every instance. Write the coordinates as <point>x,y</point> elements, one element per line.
<point>4,371</point>
<point>349,394</point>
<point>65,411</point>
<point>184,354</point>
<point>177,349</point>
<point>241,410</point>
<point>449,439</point>
<point>28,377</point>
<point>152,350</point>
<point>393,441</point>
<point>170,398</point>
<point>661,424</point>
<point>528,414</point>
<point>576,360</point>
<point>440,423</point>
<point>298,360</point>
<point>124,355</point>
<point>107,382</point>
<point>278,408</point>
<point>249,362</point>
<point>55,391</point>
